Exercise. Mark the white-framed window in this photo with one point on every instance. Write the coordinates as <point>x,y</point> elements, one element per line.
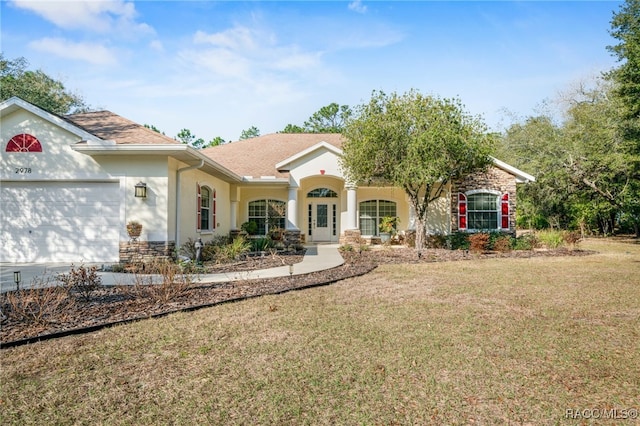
<point>267,214</point>
<point>206,209</point>
<point>371,214</point>
<point>483,210</point>
<point>322,193</point>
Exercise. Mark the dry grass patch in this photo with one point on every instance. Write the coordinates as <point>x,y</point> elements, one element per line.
<point>489,341</point>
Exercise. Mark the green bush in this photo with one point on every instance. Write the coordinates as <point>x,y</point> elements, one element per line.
<point>458,241</point>
<point>232,251</point>
<point>437,241</point>
<point>262,244</point>
<point>551,239</point>
<point>208,248</point>
<point>250,227</point>
<point>525,242</point>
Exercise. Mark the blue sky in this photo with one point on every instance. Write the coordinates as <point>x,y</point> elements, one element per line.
<point>217,68</point>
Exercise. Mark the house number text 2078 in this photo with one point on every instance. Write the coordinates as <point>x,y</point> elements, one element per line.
<point>23,170</point>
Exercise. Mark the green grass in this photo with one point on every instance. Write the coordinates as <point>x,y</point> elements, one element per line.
<point>488,341</point>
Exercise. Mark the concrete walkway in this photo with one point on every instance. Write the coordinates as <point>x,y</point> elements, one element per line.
<point>317,258</point>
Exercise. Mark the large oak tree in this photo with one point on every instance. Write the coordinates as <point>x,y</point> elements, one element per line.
<point>37,88</point>
<point>417,142</point>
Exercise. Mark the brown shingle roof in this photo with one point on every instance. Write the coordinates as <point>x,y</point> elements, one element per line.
<point>109,126</point>
<point>258,156</point>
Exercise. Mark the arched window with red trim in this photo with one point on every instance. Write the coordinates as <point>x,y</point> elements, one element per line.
<point>24,142</point>
<point>483,210</point>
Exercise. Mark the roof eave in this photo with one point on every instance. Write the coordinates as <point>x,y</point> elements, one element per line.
<point>14,103</point>
<point>180,152</point>
<point>521,177</point>
<point>283,165</point>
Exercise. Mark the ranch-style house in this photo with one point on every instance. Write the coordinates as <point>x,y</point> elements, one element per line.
<point>69,186</point>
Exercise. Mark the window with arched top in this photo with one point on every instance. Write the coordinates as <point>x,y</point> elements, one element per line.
<point>24,142</point>
<point>322,193</point>
<point>206,208</point>
<point>483,210</point>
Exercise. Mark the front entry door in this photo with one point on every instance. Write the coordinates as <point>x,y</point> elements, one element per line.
<point>322,221</point>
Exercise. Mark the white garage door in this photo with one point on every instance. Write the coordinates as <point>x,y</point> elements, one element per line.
<point>59,222</point>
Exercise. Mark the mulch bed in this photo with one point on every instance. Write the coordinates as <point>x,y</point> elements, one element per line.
<point>108,306</point>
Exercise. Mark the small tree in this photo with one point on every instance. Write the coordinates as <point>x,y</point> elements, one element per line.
<point>251,132</point>
<point>416,142</point>
<point>328,119</point>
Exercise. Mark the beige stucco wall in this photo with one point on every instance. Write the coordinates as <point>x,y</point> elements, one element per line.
<point>152,212</point>
<point>262,192</point>
<point>314,164</point>
<point>187,203</point>
<point>57,161</point>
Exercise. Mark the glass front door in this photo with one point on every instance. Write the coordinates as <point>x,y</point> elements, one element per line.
<point>322,221</point>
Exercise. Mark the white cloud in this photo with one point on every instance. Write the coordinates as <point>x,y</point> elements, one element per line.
<point>357,6</point>
<point>96,16</point>
<point>89,52</point>
<point>157,46</point>
<point>238,38</point>
<point>247,53</point>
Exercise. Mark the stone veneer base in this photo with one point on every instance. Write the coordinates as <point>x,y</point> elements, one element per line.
<point>146,251</point>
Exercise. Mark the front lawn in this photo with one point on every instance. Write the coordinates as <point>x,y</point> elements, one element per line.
<point>490,341</point>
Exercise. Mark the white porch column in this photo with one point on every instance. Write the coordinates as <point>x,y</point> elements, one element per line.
<point>352,208</point>
<point>234,215</point>
<point>292,209</point>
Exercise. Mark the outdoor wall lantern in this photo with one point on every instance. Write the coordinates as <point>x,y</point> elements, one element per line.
<point>17,277</point>
<point>141,190</point>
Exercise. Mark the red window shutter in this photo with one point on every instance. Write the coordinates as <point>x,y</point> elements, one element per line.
<point>462,212</point>
<point>198,208</point>
<point>504,211</point>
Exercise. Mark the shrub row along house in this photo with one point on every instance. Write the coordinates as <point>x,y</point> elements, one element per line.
<point>69,186</point>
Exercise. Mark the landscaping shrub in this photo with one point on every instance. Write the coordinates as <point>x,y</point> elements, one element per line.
<point>502,244</point>
<point>346,248</point>
<point>36,304</point>
<point>174,283</point>
<point>571,238</point>
<point>479,242</point>
<point>250,228</point>
<point>525,242</point>
<point>81,281</point>
<point>232,251</point>
<point>458,241</point>
<point>551,239</point>
<point>410,238</point>
<point>437,241</point>
<point>262,244</point>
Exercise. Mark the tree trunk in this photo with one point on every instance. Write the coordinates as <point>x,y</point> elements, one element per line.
<point>421,233</point>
